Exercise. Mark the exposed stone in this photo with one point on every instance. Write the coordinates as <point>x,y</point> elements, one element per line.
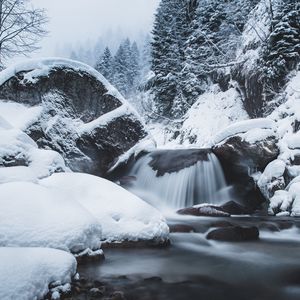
<point>234,208</point>
<point>183,228</point>
<point>234,234</point>
<point>240,159</point>
<point>205,211</point>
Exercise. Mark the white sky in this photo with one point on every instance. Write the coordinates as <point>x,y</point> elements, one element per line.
<point>72,21</point>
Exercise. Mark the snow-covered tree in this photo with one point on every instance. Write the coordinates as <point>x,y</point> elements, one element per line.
<point>105,64</point>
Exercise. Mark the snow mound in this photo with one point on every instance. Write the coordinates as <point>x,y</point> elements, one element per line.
<point>209,114</point>
<point>35,216</point>
<point>27,272</point>
<point>246,126</point>
<point>123,216</point>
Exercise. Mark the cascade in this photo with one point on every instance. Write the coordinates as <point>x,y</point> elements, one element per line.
<point>179,178</point>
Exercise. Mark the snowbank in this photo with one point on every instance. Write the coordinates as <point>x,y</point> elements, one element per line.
<point>212,112</point>
<point>35,216</point>
<point>123,216</point>
<point>27,272</point>
<point>246,126</point>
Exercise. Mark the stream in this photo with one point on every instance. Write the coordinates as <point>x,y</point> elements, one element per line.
<point>195,268</point>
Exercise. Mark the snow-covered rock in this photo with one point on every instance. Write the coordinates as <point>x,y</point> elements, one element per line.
<point>25,273</point>
<point>20,158</point>
<point>69,107</point>
<point>272,178</point>
<point>123,216</point>
<point>244,149</point>
<point>35,216</point>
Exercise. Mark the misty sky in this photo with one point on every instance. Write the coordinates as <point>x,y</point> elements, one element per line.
<point>72,21</point>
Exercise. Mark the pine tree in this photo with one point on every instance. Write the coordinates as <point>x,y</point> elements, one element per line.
<point>105,65</point>
<point>282,50</point>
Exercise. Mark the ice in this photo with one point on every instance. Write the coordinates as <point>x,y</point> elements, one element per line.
<point>25,273</point>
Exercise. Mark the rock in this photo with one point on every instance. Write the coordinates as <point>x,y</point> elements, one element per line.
<point>156,243</point>
<point>183,228</point>
<point>89,255</point>
<point>83,117</point>
<point>240,158</point>
<point>95,292</point>
<point>118,295</point>
<point>234,234</point>
<point>204,210</point>
<point>169,161</point>
<point>127,180</point>
<point>234,208</point>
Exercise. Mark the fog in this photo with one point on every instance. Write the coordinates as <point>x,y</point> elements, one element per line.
<point>73,22</point>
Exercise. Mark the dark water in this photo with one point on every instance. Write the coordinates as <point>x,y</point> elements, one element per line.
<point>195,268</point>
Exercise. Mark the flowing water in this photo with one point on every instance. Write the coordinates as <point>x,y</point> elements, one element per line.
<point>164,180</point>
<point>193,267</point>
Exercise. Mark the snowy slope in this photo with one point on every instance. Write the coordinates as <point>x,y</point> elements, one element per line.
<point>25,273</point>
<point>212,112</point>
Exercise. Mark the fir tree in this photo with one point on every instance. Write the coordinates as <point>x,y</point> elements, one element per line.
<point>105,64</point>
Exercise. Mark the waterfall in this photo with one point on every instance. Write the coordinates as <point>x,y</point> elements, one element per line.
<point>179,178</point>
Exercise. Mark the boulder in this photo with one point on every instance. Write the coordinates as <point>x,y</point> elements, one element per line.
<point>182,228</point>
<point>234,234</point>
<point>234,208</point>
<point>243,150</point>
<point>82,116</point>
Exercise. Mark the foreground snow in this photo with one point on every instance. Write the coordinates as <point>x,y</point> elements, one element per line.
<point>122,215</point>
<point>34,216</point>
<point>25,273</point>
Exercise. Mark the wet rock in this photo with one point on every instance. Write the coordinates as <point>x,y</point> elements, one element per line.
<point>95,293</point>
<point>234,208</point>
<point>169,161</point>
<point>89,255</point>
<point>285,224</point>
<point>118,295</point>
<point>181,228</point>
<point>205,211</point>
<point>127,180</point>
<point>136,244</point>
<point>234,234</point>
<point>153,279</point>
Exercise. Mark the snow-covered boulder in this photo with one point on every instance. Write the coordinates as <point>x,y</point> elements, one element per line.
<point>20,158</point>
<point>245,148</point>
<point>122,215</point>
<point>69,107</point>
<point>26,273</point>
<point>35,216</point>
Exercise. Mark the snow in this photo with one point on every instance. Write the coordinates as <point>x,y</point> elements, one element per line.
<point>35,216</point>
<point>27,272</point>
<point>123,216</point>
<point>246,126</point>
<point>19,115</point>
<point>105,119</point>
<point>212,111</point>
<point>294,191</point>
<point>281,201</point>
